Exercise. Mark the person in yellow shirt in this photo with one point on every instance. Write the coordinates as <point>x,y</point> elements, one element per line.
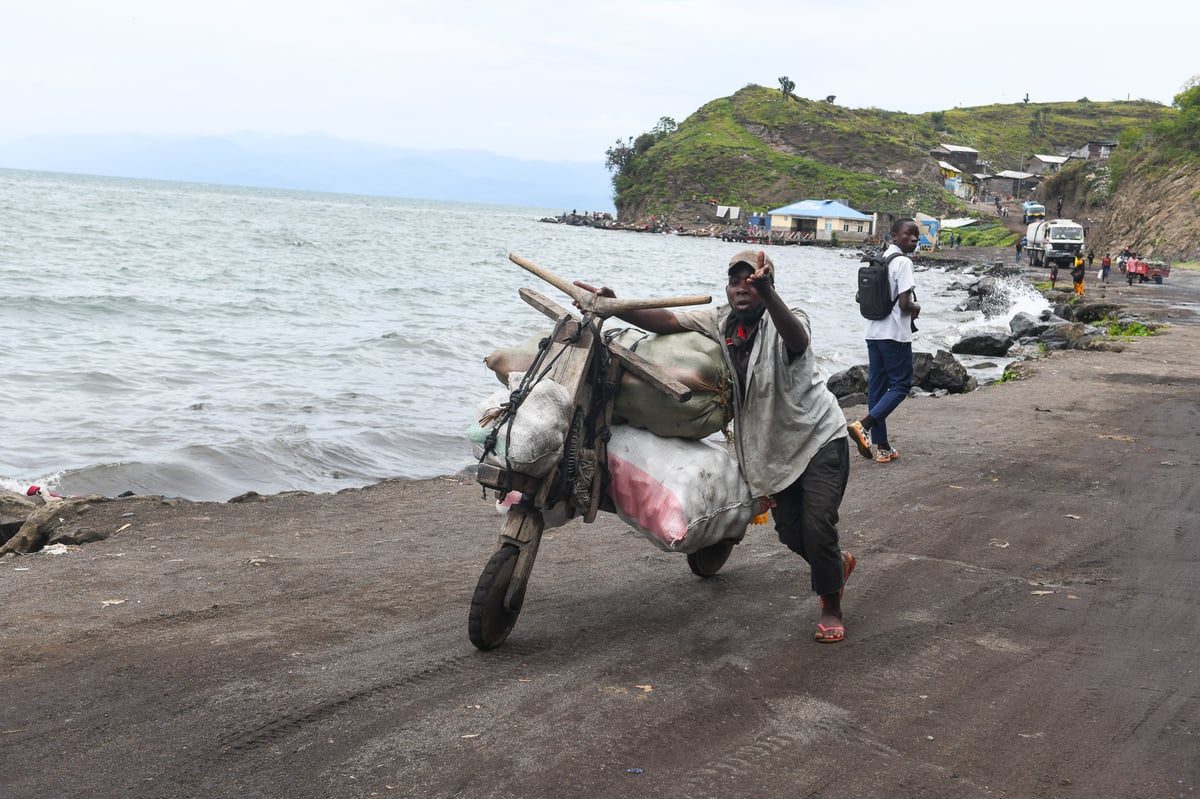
<point>1077,274</point>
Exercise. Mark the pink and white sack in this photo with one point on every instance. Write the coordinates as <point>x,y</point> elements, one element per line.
<point>681,494</point>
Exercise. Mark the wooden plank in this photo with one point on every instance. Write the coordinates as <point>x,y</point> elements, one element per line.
<point>569,370</point>
<point>650,373</point>
<point>491,476</point>
<point>545,305</point>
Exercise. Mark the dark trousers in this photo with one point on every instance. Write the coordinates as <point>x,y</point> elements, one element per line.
<point>806,514</point>
<point>889,378</point>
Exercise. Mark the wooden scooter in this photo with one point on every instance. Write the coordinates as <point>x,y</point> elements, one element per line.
<point>577,357</point>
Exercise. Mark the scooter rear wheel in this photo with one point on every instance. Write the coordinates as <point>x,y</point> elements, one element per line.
<point>708,561</point>
<point>493,612</point>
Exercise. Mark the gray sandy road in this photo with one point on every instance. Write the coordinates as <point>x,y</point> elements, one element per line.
<point>1023,623</point>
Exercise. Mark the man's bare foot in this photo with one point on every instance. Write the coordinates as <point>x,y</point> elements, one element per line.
<point>830,629</point>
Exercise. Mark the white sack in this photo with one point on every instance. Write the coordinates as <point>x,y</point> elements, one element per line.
<point>535,444</point>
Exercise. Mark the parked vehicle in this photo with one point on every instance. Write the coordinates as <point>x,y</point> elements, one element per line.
<point>1032,212</point>
<point>1053,241</point>
<point>1143,271</point>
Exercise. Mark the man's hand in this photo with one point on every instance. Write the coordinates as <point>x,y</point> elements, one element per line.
<point>764,276</point>
<point>603,291</point>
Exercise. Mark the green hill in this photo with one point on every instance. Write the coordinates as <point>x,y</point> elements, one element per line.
<point>760,149</point>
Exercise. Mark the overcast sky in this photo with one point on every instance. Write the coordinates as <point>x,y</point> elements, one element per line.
<point>552,80</point>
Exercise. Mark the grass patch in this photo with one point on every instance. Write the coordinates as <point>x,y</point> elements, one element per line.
<point>1017,370</point>
<point>987,236</point>
<point>1010,375</point>
<point>1127,329</point>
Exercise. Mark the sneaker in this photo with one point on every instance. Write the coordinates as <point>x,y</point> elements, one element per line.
<point>886,455</point>
<point>861,438</point>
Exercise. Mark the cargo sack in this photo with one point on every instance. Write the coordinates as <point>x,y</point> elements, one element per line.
<point>691,358</point>
<point>696,361</point>
<point>682,495</point>
<point>534,443</point>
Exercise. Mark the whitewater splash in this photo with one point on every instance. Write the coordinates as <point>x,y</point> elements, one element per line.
<point>1012,296</point>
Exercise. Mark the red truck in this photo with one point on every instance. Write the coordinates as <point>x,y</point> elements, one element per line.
<point>1137,269</point>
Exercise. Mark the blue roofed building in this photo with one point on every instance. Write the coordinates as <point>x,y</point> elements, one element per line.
<point>819,220</point>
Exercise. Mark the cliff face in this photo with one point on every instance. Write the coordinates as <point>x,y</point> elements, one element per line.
<point>1156,213</point>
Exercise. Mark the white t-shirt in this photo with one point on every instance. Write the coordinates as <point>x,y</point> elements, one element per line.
<point>897,326</point>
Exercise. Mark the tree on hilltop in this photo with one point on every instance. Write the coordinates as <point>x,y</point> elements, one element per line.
<point>624,158</point>
<point>619,157</point>
<point>787,86</point>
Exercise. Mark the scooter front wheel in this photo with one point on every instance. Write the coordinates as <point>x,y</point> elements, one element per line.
<point>493,611</point>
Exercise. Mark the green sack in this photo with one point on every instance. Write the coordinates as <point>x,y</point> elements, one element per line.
<point>691,358</point>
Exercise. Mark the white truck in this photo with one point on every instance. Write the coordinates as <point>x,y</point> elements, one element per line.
<point>1053,241</point>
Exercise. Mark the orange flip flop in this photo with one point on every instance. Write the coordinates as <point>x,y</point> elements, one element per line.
<point>829,635</point>
<point>848,564</point>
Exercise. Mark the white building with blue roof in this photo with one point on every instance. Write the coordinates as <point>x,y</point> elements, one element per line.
<point>820,220</point>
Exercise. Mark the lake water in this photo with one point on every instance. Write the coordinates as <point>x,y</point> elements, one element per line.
<point>201,341</point>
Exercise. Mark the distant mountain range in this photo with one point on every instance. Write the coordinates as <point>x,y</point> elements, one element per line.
<point>316,162</point>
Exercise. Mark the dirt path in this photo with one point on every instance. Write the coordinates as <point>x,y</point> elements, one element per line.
<point>1024,622</point>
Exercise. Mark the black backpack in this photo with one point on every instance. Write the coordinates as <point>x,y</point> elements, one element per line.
<point>874,295</point>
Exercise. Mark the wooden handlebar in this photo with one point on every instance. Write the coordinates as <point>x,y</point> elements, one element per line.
<point>603,307</point>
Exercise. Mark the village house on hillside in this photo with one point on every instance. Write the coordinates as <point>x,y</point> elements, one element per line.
<point>1095,150</point>
<point>965,159</point>
<point>955,181</point>
<point>1046,164</point>
<point>1010,183</point>
<point>821,220</point>
<point>968,177</point>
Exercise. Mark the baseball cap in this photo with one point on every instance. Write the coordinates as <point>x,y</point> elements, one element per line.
<point>750,259</point>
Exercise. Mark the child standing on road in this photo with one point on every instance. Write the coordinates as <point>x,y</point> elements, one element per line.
<point>1077,275</point>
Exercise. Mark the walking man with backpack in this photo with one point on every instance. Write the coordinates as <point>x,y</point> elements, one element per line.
<point>889,345</point>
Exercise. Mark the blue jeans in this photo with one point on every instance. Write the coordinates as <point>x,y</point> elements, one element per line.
<point>889,377</point>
